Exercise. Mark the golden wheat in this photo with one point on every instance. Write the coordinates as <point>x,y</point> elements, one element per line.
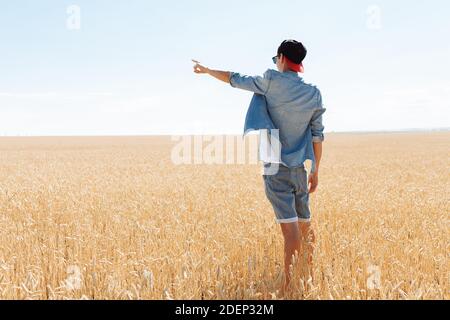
<point>114,218</point>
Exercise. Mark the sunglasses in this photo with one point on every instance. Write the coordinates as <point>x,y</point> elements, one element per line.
<point>274,59</point>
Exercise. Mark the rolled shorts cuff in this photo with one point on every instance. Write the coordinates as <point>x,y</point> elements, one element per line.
<point>288,220</point>
<point>291,220</point>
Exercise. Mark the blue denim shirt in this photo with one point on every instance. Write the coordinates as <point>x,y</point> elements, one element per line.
<point>283,101</point>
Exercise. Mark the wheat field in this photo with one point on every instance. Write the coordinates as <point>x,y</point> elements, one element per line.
<point>115,218</point>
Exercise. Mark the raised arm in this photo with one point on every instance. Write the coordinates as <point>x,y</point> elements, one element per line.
<point>256,84</point>
<point>220,75</point>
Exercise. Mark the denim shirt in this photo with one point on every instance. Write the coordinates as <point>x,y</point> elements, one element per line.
<point>283,101</point>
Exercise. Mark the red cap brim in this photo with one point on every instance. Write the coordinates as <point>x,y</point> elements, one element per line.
<point>294,66</point>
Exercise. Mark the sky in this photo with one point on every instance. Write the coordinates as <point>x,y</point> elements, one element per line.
<point>98,67</point>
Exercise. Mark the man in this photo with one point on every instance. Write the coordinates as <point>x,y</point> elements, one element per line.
<point>295,109</point>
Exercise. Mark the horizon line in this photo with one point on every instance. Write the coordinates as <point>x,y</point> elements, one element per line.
<point>406,130</point>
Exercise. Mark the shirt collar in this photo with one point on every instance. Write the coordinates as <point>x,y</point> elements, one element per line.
<point>291,73</point>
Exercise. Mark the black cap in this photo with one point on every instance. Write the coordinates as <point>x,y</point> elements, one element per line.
<point>293,50</point>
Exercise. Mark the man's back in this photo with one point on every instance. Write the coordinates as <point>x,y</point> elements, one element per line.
<point>292,103</point>
<point>293,106</point>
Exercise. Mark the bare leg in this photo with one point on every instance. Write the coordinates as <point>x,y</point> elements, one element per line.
<point>307,239</point>
<point>291,234</point>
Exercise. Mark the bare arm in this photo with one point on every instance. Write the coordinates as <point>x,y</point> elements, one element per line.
<point>220,75</point>
<point>313,179</point>
<point>317,139</point>
<point>256,84</point>
<point>317,146</point>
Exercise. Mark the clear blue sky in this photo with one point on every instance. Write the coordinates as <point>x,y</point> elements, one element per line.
<point>128,70</point>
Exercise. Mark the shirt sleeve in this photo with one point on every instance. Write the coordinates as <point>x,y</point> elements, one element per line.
<point>256,84</point>
<point>316,121</point>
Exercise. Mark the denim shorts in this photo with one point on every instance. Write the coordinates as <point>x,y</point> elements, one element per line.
<point>287,191</point>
